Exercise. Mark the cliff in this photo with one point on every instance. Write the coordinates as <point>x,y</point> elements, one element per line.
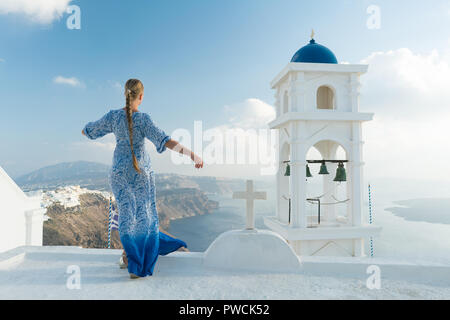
<point>210,185</point>
<point>86,225</point>
<point>181,203</point>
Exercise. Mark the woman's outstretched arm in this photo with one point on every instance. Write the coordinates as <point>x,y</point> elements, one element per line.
<point>99,128</point>
<point>178,147</point>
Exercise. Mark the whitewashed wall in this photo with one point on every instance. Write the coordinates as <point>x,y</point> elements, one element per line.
<point>21,216</point>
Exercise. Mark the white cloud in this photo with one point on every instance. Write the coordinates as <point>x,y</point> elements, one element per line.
<point>410,149</point>
<point>248,122</point>
<point>41,11</point>
<point>425,73</point>
<point>74,82</point>
<point>403,83</point>
<point>251,113</point>
<point>408,92</point>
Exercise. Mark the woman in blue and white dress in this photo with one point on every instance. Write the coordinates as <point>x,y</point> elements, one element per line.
<point>132,180</point>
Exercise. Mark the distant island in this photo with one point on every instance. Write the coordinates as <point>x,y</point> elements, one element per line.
<point>432,210</point>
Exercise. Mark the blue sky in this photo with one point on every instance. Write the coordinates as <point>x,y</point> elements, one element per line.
<point>194,57</point>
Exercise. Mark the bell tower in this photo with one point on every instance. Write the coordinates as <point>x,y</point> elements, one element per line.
<point>317,107</point>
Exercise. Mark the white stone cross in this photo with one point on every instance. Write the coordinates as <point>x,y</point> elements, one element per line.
<point>250,196</point>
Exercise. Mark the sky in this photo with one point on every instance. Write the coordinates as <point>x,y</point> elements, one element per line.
<point>212,61</point>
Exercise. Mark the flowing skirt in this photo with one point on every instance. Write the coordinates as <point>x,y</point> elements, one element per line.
<point>138,220</point>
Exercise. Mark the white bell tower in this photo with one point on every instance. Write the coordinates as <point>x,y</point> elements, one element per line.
<point>317,106</point>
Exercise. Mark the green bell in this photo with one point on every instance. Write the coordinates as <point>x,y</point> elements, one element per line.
<point>288,171</point>
<point>340,173</point>
<point>323,168</point>
<point>308,172</point>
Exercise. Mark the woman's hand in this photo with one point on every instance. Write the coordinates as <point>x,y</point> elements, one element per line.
<point>82,132</point>
<point>197,160</point>
<point>178,147</point>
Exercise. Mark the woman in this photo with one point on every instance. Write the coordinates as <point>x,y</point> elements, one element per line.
<point>132,180</point>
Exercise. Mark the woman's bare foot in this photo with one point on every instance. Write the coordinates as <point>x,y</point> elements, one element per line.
<point>123,261</point>
<point>183,249</point>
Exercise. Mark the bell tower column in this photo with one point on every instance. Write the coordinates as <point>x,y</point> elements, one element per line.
<point>356,174</point>
<point>292,92</point>
<point>279,182</point>
<point>354,91</point>
<point>298,176</point>
<point>301,91</point>
<point>277,102</point>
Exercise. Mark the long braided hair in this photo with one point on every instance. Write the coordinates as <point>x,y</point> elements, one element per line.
<point>133,88</point>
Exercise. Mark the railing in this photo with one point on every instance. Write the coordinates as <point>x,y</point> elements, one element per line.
<point>318,207</point>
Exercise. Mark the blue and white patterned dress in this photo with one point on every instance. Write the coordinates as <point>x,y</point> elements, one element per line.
<point>134,192</point>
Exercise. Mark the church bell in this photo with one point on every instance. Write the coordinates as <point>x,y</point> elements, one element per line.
<point>340,173</point>
<point>323,168</point>
<point>308,172</point>
<point>288,171</point>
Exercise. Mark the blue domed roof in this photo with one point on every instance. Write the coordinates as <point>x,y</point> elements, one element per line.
<point>314,53</point>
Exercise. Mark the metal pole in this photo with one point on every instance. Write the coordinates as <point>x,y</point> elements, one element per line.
<point>370,222</point>
<point>289,210</point>
<point>109,224</point>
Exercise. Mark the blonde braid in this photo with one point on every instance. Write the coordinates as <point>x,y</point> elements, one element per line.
<point>131,94</point>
